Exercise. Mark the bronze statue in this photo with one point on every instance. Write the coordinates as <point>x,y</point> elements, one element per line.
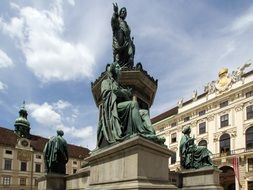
<point>191,155</point>
<point>121,117</point>
<point>56,154</point>
<point>123,46</point>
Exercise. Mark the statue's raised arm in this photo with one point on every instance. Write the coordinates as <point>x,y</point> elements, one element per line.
<point>123,47</point>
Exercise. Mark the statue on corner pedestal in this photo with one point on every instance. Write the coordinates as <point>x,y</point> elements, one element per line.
<point>120,117</point>
<point>123,46</point>
<point>56,154</point>
<point>191,155</point>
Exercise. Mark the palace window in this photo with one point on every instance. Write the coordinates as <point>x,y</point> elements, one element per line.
<point>224,120</point>
<point>74,170</point>
<point>249,110</point>
<point>250,164</point>
<point>249,138</point>
<point>38,168</point>
<point>7,164</point>
<point>249,94</point>
<point>174,124</point>
<point>173,137</point>
<point>74,162</point>
<point>225,144</point>
<point>223,104</point>
<point>23,166</point>
<point>37,156</point>
<point>202,128</point>
<point>250,184</point>
<point>203,112</point>
<point>161,129</point>
<point>186,118</point>
<point>22,181</point>
<point>8,152</point>
<point>202,143</point>
<point>6,180</point>
<point>173,158</point>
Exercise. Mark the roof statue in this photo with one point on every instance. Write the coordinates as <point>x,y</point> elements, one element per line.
<point>120,117</point>
<point>56,154</point>
<point>122,44</point>
<point>194,95</point>
<point>237,75</point>
<point>191,155</point>
<point>180,103</point>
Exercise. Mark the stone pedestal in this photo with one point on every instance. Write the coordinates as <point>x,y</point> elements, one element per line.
<point>79,180</point>
<point>136,163</point>
<point>142,84</point>
<point>52,182</point>
<point>206,178</point>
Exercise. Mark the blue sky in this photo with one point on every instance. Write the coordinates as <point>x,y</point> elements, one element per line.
<point>51,51</point>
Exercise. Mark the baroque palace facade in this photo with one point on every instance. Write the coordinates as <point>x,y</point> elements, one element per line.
<point>221,118</point>
<point>21,156</point>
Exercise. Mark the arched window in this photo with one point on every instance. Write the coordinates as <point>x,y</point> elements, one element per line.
<point>249,138</point>
<point>203,143</point>
<point>173,158</point>
<point>225,144</point>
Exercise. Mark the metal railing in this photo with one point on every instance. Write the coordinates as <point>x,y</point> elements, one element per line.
<point>232,152</point>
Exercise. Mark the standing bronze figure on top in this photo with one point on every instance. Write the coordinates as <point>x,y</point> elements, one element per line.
<point>124,93</point>
<point>123,46</point>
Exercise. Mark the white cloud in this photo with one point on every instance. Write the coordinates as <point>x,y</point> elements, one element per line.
<point>61,104</point>
<point>5,60</point>
<point>49,56</point>
<point>14,6</point>
<point>45,114</point>
<point>52,116</point>
<point>243,22</point>
<point>72,2</point>
<point>2,86</point>
<point>78,132</point>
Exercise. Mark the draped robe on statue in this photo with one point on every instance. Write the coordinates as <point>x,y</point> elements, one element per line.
<point>193,156</point>
<point>121,117</point>
<point>56,155</point>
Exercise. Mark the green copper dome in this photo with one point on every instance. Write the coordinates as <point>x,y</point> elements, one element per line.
<point>22,125</point>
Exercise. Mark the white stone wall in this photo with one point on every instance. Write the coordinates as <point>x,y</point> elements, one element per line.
<point>238,123</point>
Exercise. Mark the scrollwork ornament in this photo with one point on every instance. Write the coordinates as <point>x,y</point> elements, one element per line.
<point>210,118</point>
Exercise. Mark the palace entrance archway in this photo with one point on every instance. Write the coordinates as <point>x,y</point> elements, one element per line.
<point>227,178</point>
